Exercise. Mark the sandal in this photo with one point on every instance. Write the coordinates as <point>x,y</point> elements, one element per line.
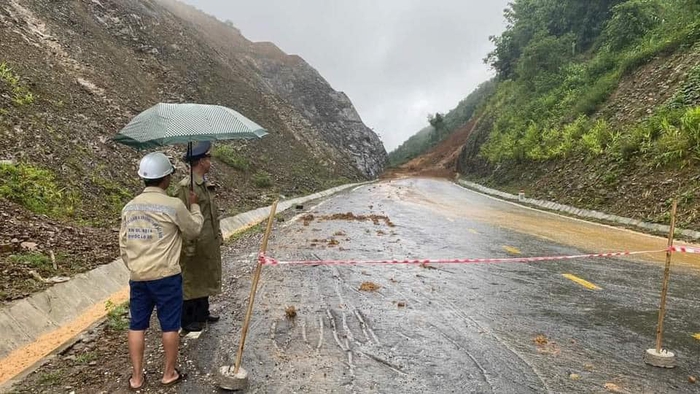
<point>132,388</point>
<point>180,377</point>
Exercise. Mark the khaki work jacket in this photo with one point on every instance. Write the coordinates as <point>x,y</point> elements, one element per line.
<point>152,231</point>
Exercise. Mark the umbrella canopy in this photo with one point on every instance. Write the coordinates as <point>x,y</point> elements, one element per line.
<point>168,124</point>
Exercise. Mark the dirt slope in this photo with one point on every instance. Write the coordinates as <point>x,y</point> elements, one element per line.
<point>73,72</point>
<point>441,161</point>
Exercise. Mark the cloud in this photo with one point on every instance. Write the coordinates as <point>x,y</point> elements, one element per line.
<point>397,60</point>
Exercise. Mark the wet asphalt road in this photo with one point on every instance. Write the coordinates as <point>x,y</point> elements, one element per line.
<point>467,328</point>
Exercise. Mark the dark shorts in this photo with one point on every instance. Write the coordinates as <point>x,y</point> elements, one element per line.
<point>164,294</point>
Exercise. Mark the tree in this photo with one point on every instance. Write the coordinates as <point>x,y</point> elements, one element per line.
<point>630,21</point>
<point>542,60</point>
<point>529,19</point>
<point>426,138</point>
<point>437,120</point>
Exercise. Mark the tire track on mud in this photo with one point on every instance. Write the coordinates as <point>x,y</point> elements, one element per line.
<point>459,313</point>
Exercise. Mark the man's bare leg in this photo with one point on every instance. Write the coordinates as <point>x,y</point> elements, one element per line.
<point>171,342</point>
<point>137,341</point>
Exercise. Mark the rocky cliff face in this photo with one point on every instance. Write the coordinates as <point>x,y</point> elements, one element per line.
<point>334,124</point>
<point>91,65</point>
<point>74,72</point>
<point>332,128</point>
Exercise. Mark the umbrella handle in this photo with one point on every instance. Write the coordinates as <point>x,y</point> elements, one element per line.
<point>189,157</point>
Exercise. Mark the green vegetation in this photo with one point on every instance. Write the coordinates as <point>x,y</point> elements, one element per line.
<point>441,126</point>
<point>309,177</point>
<point>116,196</point>
<point>252,230</point>
<point>35,260</point>
<point>262,179</point>
<point>413,147</point>
<point>117,316</point>
<point>20,94</point>
<point>230,157</point>
<point>36,189</point>
<point>42,263</point>
<point>86,358</point>
<point>559,60</point>
<point>50,378</point>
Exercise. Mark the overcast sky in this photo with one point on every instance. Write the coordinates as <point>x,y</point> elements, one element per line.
<point>397,60</point>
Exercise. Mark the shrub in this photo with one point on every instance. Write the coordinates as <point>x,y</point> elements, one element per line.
<point>672,146</point>
<point>262,179</point>
<point>532,143</point>
<point>572,134</point>
<point>117,316</point>
<point>689,94</point>
<point>597,94</point>
<point>20,94</point>
<point>35,189</point>
<point>690,125</point>
<point>597,138</point>
<point>230,157</point>
<point>630,21</point>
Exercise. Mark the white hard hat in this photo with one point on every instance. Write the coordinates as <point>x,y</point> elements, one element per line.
<point>155,166</point>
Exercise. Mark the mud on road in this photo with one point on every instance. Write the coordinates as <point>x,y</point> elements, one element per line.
<point>473,328</point>
<point>508,328</point>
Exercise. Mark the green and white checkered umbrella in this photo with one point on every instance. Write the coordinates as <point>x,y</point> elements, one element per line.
<point>169,124</point>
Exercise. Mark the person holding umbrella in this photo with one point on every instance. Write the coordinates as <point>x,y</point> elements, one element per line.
<point>153,226</point>
<point>190,123</point>
<point>201,258</point>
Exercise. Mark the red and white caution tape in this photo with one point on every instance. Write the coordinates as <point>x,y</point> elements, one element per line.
<point>684,249</point>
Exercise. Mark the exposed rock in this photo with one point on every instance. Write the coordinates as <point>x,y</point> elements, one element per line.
<point>28,246</point>
<point>92,65</point>
<point>336,126</point>
<point>57,279</point>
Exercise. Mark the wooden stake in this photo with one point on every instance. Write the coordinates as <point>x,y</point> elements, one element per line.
<point>254,287</point>
<point>667,274</point>
<point>53,260</point>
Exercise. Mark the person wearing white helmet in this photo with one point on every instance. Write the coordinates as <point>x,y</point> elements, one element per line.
<point>150,242</point>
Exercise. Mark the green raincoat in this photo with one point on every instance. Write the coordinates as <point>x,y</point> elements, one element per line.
<point>201,258</point>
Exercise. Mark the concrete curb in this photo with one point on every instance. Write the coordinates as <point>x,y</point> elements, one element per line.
<point>23,321</point>
<point>582,213</point>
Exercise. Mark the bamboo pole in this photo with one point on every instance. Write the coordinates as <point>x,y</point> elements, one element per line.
<point>667,274</point>
<point>254,287</point>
